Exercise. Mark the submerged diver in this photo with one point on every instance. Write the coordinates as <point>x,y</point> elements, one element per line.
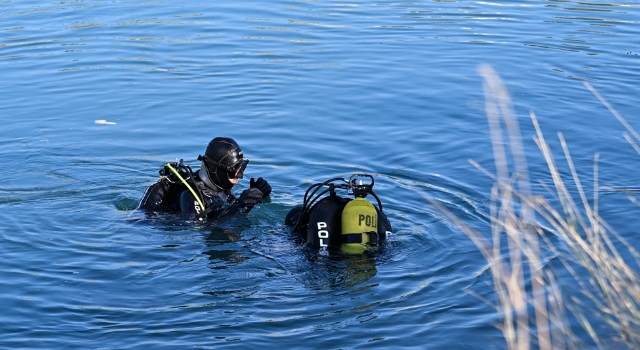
<point>206,193</point>
<point>333,222</point>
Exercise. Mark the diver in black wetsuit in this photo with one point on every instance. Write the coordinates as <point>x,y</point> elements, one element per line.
<point>206,193</point>
<point>333,222</point>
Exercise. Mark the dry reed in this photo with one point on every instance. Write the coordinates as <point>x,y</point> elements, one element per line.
<point>535,313</point>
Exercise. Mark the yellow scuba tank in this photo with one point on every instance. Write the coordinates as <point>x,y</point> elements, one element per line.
<point>359,217</point>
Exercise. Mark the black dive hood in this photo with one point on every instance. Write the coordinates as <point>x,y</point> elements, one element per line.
<point>222,160</point>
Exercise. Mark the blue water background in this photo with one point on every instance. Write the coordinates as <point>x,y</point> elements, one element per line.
<point>311,90</point>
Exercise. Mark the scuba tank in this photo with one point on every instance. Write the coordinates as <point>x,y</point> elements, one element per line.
<point>336,223</point>
<point>359,218</point>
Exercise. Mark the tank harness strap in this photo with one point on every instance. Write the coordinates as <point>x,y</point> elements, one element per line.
<point>186,184</point>
<point>332,191</point>
<point>357,237</point>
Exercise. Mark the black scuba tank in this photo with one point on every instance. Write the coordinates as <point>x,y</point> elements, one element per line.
<point>323,228</point>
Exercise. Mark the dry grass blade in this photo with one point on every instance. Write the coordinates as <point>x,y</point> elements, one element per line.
<point>613,110</point>
<point>585,242</point>
<point>512,216</point>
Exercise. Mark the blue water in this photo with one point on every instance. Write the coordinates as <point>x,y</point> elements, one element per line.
<point>311,90</point>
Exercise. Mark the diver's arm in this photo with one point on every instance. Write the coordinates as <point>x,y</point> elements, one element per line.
<point>249,198</point>
<point>243,205</point>
<point>258,189</point>
<point>188,204</point>
<point>154,196</point>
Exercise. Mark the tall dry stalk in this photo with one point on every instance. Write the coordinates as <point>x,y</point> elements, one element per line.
<point>611,284</point>
<point>586,243</point>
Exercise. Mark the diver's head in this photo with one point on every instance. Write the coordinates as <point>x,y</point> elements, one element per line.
<point>223,162</point>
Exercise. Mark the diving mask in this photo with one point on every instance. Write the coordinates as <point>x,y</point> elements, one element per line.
<point>235,171</point>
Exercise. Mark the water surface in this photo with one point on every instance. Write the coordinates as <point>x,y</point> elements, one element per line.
<point>311,90</point>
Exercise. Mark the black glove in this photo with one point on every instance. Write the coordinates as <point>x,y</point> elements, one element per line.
<point>250,197</point>
<point>262,185</point>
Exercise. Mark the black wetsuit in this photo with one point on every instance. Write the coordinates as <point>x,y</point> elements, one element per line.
<point>171,195</point>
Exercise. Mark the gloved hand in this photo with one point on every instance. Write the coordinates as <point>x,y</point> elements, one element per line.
<point>262,185</point>
<point>250,197</point>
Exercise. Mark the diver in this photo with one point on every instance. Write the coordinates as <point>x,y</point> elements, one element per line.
<point>206,193</point>
<point>336,223</point>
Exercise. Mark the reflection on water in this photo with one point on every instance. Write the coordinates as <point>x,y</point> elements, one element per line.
<point>226,256</point>
<point>230,232</point>
<point>318,269</point>
<point>338,271</point>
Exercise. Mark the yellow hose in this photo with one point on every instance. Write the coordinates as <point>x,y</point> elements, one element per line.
<point>186,184</point>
